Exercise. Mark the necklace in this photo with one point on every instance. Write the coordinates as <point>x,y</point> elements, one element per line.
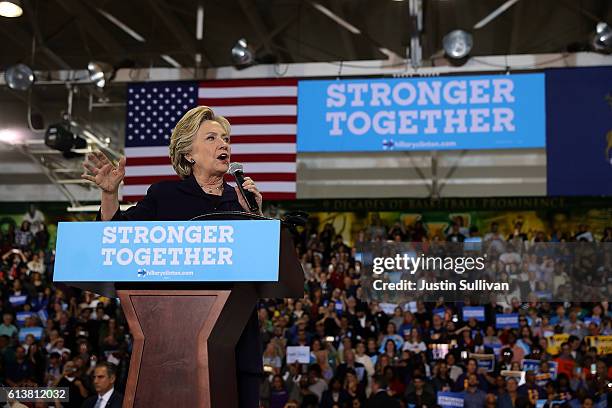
<point>211,190</point>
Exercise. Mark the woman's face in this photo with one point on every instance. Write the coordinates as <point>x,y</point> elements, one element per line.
<point>210,148</point>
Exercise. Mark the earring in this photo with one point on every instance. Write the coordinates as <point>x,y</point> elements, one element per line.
<point>192,161</point>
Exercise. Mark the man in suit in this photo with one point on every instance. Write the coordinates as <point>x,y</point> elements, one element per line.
<point>105,375</point>
<point>379,397</point>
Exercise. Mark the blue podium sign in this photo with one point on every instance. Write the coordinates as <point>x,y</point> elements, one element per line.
<point>168,251</point>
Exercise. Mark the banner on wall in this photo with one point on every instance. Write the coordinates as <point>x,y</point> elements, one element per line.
<point>579,131</point>
<point>443,113</point>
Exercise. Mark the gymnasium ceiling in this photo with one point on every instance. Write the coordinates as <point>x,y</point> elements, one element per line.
<point>70,33</point>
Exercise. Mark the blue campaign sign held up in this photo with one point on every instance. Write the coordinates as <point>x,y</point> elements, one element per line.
<point>507,321</point>
<point>443,113</point>
<point>450,399</point>
<point>476,312</point>
<point>168,251</point>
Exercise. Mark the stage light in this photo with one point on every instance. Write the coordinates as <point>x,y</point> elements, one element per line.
<point>242,54</point>
<point>602,40</point>
<point>19,77</point>
<point>10,8</point>
<point>99,73</point>
<point>457,46</point>
<point>10,136</point>
<point>60,137</point>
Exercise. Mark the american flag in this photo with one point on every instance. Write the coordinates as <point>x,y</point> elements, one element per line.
<point>263,115</point>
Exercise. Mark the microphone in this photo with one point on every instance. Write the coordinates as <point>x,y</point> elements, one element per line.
<point>236,170</point>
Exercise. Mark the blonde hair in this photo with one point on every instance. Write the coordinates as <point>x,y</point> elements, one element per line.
<point>184,133</point>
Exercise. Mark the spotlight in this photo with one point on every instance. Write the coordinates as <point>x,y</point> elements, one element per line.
<point>602,40</point>
<point>61,137</point>
<point>19,77</point>
<point>457,45</point>
<point>99,73</point>
<point>10,8</point>
<point>242,54</point>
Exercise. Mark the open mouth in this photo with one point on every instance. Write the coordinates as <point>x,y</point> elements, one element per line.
<point>223,157</point>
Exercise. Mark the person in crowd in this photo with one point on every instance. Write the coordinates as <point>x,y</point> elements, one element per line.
<point>335,395</point>
<point>75,385</point>
<point>421,396</point>
<point>474,397</point>
<point>511,398</point>
<point>380,397</point>
<point>105,375</point>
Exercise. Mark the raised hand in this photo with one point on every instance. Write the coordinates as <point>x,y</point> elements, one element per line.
<point>101,171</point>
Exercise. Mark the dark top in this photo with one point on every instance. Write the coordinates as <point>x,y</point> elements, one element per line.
<point>179,200</point>
<point>115,401</point>
<point>381,400</point>
<point>182,200</point>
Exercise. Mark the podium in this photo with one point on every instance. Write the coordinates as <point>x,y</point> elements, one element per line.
<point>184,331</point>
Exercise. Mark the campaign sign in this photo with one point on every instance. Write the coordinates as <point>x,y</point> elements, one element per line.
<point>486,361</point>
<point>553,369</point>
<point>18,300</point>
<point>507,321</point>
<point>439,311</point>
<point>388,308</point>
<point>554,403</point>
<point>589,320</point>
<point>533,365</point>
<point>442,113</point>
<point>301,354</point>
<point>603,344</point>
<point>35,331</point>
<point>176,251</point>
<point>21,318</point>
<point>450,399</point>
<point>476,312</point>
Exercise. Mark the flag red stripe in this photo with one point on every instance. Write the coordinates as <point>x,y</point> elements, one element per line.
<point>132,181</point>
<point>263,139</point>
<point>231,83</point>
<point>261,120</point>
<point>278,196</point>
<point>258,177</point>
<point>266,100</point>
<point>243,158</point>
<point>267,177</point>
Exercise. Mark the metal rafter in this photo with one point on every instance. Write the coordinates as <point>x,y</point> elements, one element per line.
<point>347,39</point>
<point>29,11</point>
<point>93,27</point>
<point>252,14</point>
<point>24,40</point>
<point>177,28</point>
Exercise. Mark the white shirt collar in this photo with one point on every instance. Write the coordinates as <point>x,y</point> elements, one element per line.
<point>106,396</point>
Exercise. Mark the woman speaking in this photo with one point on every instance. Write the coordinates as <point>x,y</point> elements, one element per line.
<point>200,153</point>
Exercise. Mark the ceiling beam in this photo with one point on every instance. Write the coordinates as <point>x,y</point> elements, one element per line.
<point>250,10</point>
<point>93,27</point>
<point>40,40</point>
<point>178,30</point>
<point>23,40</point>
<point>347,39</point>
<point>277,31</point>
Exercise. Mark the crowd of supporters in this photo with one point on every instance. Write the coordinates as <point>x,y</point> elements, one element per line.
<point>351,353</point>
<point>53,336</point>
<point>365,355</point>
